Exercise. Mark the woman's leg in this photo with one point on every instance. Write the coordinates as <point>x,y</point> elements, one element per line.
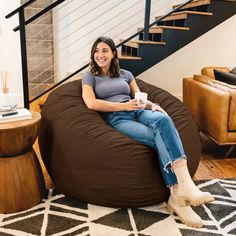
<point>126,124</point>
<point>167,139</point>
<point>172,158</point>
<point>188,192</point>
<point>171,155</point>
<point>185,213</point>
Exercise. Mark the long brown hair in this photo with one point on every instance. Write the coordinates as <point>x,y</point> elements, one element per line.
<point>114,67</point>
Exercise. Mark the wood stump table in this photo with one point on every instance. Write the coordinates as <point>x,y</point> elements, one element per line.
<point>22,184</point>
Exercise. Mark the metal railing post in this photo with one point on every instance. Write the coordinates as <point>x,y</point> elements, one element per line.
<point>24,58</point>
<point>147,19</point>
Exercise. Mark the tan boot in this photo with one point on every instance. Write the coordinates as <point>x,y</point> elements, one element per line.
<point>188,192</point>
<point>185,213</point>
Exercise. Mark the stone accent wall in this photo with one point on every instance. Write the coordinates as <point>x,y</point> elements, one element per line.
<point>39,40</point>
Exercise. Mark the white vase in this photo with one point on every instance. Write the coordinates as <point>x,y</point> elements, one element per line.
<point>10,99</point>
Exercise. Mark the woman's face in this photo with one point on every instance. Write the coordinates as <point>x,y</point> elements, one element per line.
<point>103,56</point>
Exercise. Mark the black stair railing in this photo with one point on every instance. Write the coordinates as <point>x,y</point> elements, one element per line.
<point>22,23</point>
<point>21,27</point>
<point>147,19</point>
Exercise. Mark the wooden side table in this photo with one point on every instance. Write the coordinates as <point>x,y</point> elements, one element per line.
<point>22,184</point>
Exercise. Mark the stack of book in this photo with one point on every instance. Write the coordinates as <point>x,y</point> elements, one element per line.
<point>11,113</point>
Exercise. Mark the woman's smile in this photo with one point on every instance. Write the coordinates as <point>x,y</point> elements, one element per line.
<point>103,56</point>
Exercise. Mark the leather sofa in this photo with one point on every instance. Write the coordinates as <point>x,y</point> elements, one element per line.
<point>213,106</point>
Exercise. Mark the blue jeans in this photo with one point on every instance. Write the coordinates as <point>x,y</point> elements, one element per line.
<point>154,129</point>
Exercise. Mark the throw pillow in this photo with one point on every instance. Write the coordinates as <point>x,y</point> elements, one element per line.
<point>228,78</point>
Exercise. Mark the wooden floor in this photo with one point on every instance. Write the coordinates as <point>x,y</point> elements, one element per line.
<point>212,165</point>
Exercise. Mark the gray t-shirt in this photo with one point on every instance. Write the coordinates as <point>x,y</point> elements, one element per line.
<point>110,89</point>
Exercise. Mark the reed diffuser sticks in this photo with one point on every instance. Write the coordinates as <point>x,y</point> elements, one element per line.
<point>5,79</point>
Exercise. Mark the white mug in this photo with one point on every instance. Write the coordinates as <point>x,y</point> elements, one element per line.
<point>141,99</point>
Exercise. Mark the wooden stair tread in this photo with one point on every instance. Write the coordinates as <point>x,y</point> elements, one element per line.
<point>159,29</point>
<point>202,13</point>
<point>123,56</point>
<point>136,43</point>
<point>35,83</point>
<point>171,27</point>
<point>194,4</point>
<point>183,15</point>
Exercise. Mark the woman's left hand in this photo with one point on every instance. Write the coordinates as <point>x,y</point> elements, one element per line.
<point>157,107</point>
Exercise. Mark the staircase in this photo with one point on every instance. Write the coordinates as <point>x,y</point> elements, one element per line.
<point>174,32</point>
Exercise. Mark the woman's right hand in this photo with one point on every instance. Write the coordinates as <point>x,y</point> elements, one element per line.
<point>131,105</point>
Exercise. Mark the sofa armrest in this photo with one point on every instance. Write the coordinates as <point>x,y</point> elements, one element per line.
<point>209,107</point>
<point>231,89</point>
<point>232,113</point>
<point>209,70</point>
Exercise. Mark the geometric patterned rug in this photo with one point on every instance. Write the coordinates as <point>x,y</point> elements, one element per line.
<point>61,215</point>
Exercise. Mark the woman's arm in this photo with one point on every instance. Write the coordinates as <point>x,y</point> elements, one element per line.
<point>133,88</point>
<point>105,106</point>
<point>154,107</point>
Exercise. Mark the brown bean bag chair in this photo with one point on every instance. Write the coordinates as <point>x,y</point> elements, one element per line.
<point>89,160</point>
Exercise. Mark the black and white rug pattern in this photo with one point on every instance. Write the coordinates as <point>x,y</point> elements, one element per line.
<point>60,215</point>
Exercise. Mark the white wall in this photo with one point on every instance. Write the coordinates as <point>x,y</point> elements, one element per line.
<point>215,48</point>
<point>10,47</point>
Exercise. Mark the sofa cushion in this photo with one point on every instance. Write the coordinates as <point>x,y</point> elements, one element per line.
<point>228,78</point>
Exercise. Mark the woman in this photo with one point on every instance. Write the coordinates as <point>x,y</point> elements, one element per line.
<point>109,89</point>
